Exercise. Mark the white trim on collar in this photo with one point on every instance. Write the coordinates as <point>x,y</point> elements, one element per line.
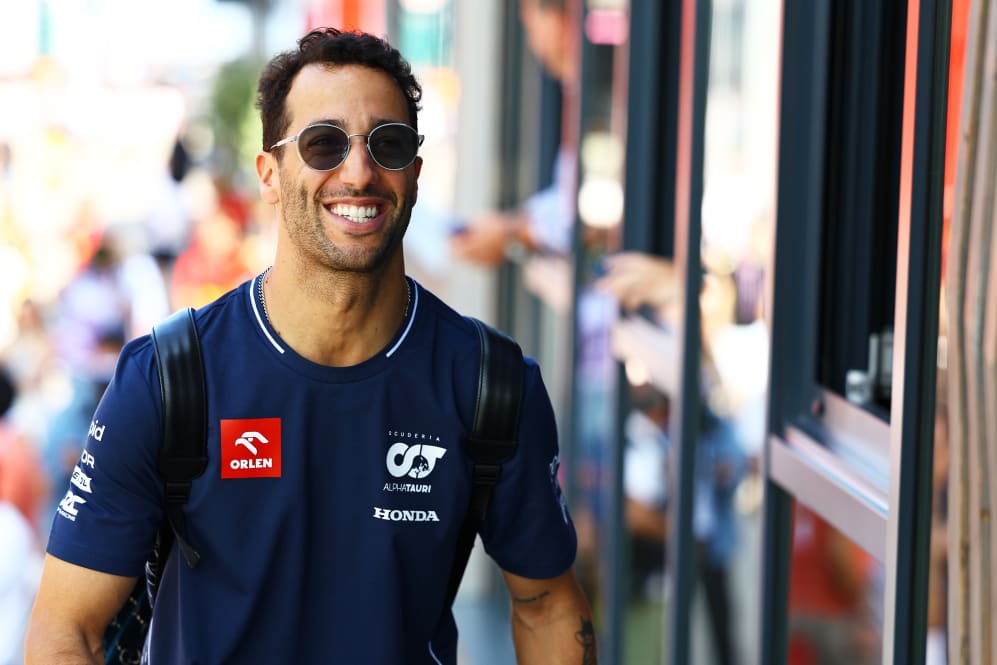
<point>280,349</point>
<point>411,318</point>
<point>259,319</point>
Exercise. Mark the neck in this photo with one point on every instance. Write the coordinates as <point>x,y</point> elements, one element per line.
<point>340,321</point>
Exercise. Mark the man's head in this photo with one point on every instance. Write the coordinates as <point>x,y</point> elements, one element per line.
<point>549,37</point>
<point>328,46</point>
<point>340,155</point>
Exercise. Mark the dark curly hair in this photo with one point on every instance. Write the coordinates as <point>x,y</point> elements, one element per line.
<point>329,46</point>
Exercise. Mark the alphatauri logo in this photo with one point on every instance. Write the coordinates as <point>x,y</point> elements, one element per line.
<point>415,461</point>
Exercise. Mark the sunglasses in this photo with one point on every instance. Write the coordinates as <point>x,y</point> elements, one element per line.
<point>323,147</point>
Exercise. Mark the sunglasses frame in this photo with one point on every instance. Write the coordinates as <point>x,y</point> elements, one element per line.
<point>349,144</point>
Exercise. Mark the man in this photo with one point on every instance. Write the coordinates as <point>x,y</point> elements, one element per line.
<point>339,393</point>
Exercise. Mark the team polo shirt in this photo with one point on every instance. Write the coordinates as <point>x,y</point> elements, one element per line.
<point>327,518</point>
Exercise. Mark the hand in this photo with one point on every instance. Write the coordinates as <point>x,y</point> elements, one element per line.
<point>484,240</point>
<point>637,279</point>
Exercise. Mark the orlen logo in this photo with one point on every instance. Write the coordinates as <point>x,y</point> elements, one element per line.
<point>251,448</point>
<point>417,461</point>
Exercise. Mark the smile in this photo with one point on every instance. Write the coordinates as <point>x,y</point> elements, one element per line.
<point>356,214</point>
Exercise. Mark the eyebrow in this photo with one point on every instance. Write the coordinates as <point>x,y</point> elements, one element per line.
<point>339,122</point>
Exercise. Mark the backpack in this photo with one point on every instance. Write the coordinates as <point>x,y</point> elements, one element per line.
<point>184,456</point>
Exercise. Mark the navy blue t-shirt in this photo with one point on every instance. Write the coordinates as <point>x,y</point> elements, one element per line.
<point>328,515</point>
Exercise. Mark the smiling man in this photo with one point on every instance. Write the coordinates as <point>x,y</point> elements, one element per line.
<point>339,395</point>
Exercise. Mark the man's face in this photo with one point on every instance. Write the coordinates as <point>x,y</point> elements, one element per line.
<point>353,217</point>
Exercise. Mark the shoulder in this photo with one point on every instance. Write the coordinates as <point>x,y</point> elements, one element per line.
<point>456,330</point>
<point>449,321</point>
<point>229,309</point>
<point>138,356</point>
<point>454,342</point>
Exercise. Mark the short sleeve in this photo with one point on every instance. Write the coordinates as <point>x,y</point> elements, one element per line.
<point>528,530</point>
<point>108,518</point>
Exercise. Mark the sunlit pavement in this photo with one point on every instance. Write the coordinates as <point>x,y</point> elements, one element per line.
<point>485,637</point>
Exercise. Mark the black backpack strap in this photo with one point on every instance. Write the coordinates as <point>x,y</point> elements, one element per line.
<point>184,454</point>
<point>182,457</point>
<point>494,433</point>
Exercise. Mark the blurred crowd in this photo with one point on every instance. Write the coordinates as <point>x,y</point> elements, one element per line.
<point>200,238</point>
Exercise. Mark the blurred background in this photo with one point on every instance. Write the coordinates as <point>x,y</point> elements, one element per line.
<point>617,183</point>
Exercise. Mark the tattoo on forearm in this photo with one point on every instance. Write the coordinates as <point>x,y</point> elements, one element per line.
<point>586,637</point>
<point>532,599</point>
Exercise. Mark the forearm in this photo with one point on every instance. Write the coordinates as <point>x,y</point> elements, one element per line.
<point>72,609</point>
<point>48,647</point>
<point>563,639</point>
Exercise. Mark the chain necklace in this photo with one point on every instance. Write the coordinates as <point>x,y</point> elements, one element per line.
<point>263,297</point>
<point>408,298</point>
<point>266,312</point>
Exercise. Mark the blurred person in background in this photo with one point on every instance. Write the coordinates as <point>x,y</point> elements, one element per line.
<point>720,466</point>
<point>171,218</point>
<point>544,222</point>
<point>23,484</point>
<point>643,282</point>
<point>42,390</point>
<point>213,264</point>
<point>22,477</point>
<point>30,358</point>
<point>645,490</point>
<point>320,364</point>
<point>20,554</point>
<point>116,296</point>
<point>543,225</point>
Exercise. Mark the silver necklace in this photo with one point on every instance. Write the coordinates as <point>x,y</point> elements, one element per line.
<point>263,295</point>
<point>408,298</point>
<point>266,312</point>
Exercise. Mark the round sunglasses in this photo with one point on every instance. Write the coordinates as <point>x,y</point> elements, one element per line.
<point>323,147</point>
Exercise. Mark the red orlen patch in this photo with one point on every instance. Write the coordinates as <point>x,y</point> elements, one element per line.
<point>251,448</point>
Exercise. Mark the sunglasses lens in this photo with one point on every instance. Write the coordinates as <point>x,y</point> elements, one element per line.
<point>394,146</point>
<point>323,147</point>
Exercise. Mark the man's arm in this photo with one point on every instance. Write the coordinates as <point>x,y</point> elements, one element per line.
<point>72,609</point>
<point>551,621</point>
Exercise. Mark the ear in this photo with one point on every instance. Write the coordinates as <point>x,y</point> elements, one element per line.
<point>268,176</point>
<point>415,186</point>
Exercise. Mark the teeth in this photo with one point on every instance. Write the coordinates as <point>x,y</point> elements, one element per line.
<point>356,214</point>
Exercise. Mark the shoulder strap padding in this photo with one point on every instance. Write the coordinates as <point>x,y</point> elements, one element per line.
<point>500,394</point>
<point>494,434</point>
<point>183,455</point>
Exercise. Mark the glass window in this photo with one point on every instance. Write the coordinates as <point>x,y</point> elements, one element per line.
<point>835,596</point>
<point>859,239</point>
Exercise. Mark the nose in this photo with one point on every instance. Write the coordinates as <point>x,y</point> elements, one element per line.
<point>358,169</point>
